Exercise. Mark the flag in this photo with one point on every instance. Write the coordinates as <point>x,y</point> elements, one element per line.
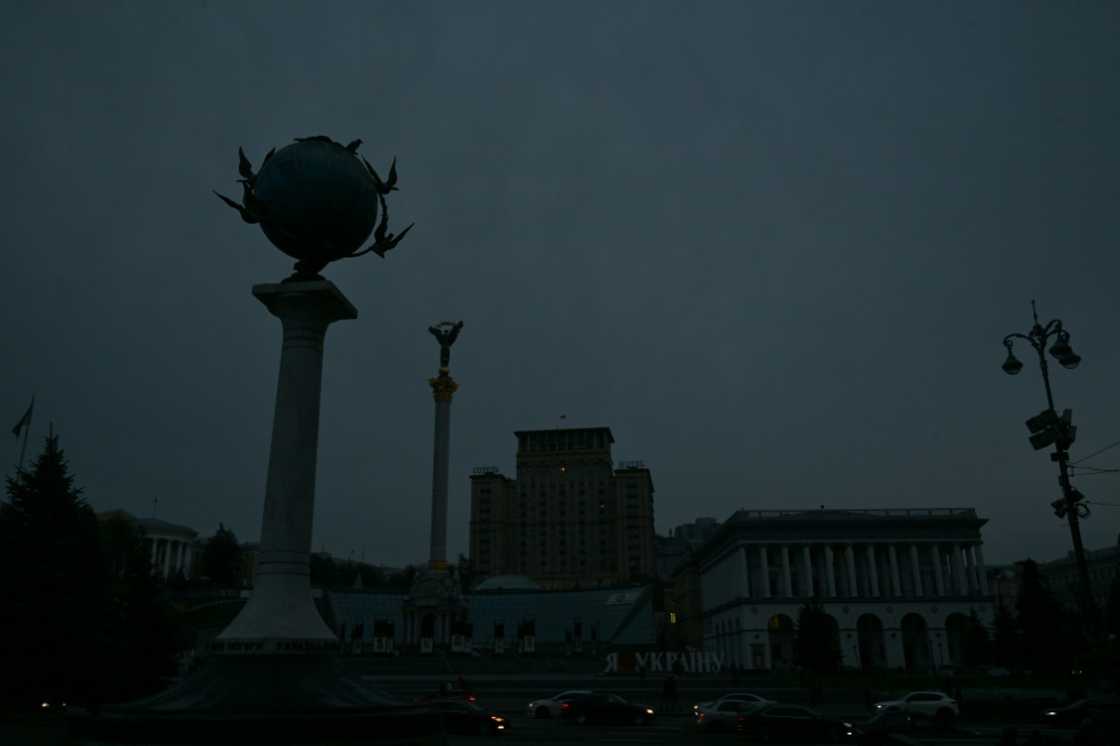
<point>24,421</point>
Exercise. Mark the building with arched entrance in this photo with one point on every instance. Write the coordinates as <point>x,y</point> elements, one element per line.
<point>899,585</point>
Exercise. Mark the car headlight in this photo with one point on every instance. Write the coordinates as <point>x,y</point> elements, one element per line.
<point>1050,713</point>
<point>847,725</point>
<point>649,711</point>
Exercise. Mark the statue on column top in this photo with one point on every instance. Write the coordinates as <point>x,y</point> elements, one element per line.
<point>445,332</point>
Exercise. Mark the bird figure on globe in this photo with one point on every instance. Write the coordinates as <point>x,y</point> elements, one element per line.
<point>317,201</point>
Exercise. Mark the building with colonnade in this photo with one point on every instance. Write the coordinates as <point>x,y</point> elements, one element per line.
<point>898,584</point>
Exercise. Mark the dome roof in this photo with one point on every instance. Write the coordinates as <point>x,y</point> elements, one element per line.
<point>507,583</point>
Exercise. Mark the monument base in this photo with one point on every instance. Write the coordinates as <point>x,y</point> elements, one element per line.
<point>260,699</point>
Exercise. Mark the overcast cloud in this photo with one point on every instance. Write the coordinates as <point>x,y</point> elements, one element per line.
<point>773,246</point>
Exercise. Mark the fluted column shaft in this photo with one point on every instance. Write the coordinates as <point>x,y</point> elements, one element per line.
<point>896,578</point>
<point>873,570</point>
<point>958,570</point>
<point>935,555</point>
<point>850,560</point>
<point>916,567</point>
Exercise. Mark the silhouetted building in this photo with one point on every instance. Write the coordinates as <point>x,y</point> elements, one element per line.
<point>1060,576</point>
<point>170,546</point>
<point>897,585</point>
<point>682,541</point>
<point>570,517</point>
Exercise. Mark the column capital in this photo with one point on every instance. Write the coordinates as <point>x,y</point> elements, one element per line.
<point>443,386</point>
<point>309,300</point>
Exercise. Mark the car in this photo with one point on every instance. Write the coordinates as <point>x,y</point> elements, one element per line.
<point>468,719</point>
<point>879,728</point>
<point>550,706</point>
<point>781,723</point>
<point>1101,723</point>
<point>936,707</point>
<point>723,715</point>
<point>448,692</point>
<point>606,708</point>
<point>733,697</point>
<point>1068,716</point>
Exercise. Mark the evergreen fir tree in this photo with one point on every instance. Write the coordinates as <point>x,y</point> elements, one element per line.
<point>221,558</point>
<point>53,586</point>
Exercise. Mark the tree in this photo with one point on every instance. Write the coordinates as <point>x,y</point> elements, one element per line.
<point>977,643</point>
<point>221,558</point>
<point>1112,607</point>
<point>52,584</point>
<point>1007,649</point>
<point>817,645</point>
<point>142,634</point>
<point>1045,635</point>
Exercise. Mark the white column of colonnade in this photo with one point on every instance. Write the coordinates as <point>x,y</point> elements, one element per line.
<point>981,572</point>
<point>917,570</point>
<point>935,556</point>
<point>807,559</point>
<point>764,569</point>
<point>787,575</point>
<point>896,578</point>
<point>961,584</point>
<point>970,570</point>
<point>872,571</point>
<point>830,571</point>
<point>850,559</point>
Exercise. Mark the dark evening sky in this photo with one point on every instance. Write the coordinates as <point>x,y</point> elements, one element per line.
<point>773,246</point>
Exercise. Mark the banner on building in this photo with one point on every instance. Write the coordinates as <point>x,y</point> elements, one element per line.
<point>694,661</point>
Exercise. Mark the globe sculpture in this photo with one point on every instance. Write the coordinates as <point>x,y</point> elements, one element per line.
<point>317,201</point>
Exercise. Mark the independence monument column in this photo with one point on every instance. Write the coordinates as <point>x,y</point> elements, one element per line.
<point>443,388</point>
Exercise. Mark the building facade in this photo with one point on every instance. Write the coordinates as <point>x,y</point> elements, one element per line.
<point>569,517</point>
<point>1061,576</point>
<point>899,585</point>
<point>171,547</point>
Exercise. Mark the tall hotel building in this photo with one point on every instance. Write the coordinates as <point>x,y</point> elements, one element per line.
<point>570,517</point>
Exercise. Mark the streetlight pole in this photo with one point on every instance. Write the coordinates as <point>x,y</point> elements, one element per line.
<point>1047,428</point>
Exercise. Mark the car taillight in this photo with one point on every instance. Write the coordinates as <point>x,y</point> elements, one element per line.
<point>566,706</point>
<point>471,698</point>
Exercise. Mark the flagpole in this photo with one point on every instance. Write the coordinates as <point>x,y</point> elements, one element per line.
<point>26,430</point>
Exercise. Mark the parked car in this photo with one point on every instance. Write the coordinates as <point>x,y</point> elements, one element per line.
<point>780,723</point>
<point>1068,716</point>
<point>550,706</point>
<point>468,719</point>
<point>883,724</point>
<point>1101,723</point>
<point>732,697</point>
<point>606,708</point>
<point>723,715</point>
<point>936,707</point>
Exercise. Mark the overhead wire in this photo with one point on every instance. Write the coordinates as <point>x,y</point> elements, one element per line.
<point>1095,453</point>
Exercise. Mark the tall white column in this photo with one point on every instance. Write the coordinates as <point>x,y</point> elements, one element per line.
<point>166,559</point>
<point>917,568</point>
<point>896,579</point>
<point>807,574</point>
<point>935,555</point>
<point>981,571</point>
<point>764,569</point>
<point>853,583</point>
<point>958,570</point>
<point>281,607</point>
<point>970,570</point>
<point>743,582</point>
<point>787,576</point>
<point>830,571</point>
<point>873,570</point>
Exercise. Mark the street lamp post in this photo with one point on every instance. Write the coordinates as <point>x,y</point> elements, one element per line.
<point>1048,427</point>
